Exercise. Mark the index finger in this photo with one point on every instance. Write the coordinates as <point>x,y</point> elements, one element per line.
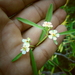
<point>11,7</point>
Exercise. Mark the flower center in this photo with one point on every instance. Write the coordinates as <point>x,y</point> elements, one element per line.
<point>24,48</point>
<point>53,34</point>
<point>47,24</point>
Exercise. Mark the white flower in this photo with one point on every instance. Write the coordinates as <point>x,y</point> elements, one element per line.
<point>53,34</point>
<point>47,24</point>
<point>26,45</point>
<point>26,42</point>
<point>25,50</point>
<point>28,39</point>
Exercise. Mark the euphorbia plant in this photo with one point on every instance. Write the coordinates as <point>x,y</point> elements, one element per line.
<point>47,32</point>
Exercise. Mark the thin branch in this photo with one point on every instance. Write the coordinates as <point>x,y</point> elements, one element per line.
<point>65,57</point>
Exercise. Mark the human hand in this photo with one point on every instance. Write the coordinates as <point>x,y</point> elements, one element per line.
<point>12,32</point>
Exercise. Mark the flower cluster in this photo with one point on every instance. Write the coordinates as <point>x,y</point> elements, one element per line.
<point>53,34</point>
<point>47,24</point>
<point>26,46</point>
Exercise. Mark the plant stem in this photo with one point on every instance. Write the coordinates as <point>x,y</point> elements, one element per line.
<point>43,38</point>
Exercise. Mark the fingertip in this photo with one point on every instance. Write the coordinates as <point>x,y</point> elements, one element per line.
<point>61,28</point>
<point>60,14</point>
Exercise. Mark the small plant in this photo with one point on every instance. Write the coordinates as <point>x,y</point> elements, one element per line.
<point>47,32</point>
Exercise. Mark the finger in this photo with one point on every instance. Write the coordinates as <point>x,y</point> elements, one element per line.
<point>3,20</point>
<point>36,12</point>
<point>34,33</point>
<point>56,18</point>
<point>47,48</point>
<point>12,6</point>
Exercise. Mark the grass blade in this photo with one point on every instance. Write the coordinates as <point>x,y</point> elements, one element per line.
<point>29,22</point>
<point>17,57</point>
<point>42,35</point>
<point>49,13</point>
<point>55,42</point>
<point>67,32</point>
<point>44,32</point>
<point>73,48</point>
<point>34,68</point>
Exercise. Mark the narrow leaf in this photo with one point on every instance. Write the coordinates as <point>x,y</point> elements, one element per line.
<point>71,25</point>
<point>73,47</point>
<point>67,32</point>
<point>17,57</point>
<point>29,22</point>
<point>44,32</point>
<point>55,42</point>
<point>42,35</point>
<point>33,63</point>
<point>50,63</point>
<point>49,13</point>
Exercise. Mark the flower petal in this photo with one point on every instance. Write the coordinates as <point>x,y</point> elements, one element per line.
<point>54,38</point>
<point>57,35</point>
<point>55,31</point>
<point>27,50</point>
<point>50,36</point>
<point>21,49</point>
<point>23,40</point>
<point>23,52</point>
<point>28,39</point>
<point>51,32</point>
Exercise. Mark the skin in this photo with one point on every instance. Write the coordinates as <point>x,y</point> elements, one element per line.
<point>12,32</point>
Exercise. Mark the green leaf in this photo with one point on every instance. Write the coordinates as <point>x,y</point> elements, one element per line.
<point>17,57</point>
<point>67,32</point>
<point>29,22</point>
<point>44,32</point>
<point>50,63</point>
<point>70,26</point>
<point>34,68</point>
<point>52,71</point>
<point>49,13</point>
<point>60,48</point>
<point>73,48</point>
<point>55,42</point>
<point>56,59</point>
<point>42,35</point>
